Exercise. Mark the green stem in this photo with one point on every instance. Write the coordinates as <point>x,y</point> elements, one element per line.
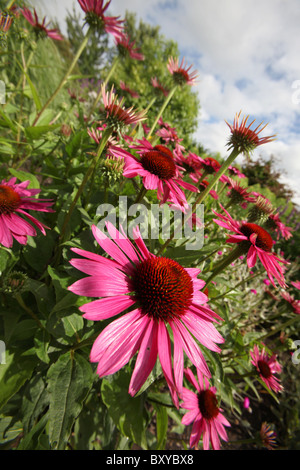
<point>102,144</point>
<point>203,194</point>
<point>232,256</point>
<point>249,278</point>
<point>165,104</point>
<point>110,73</point>
<point>141,195</point>
<point>279,328</point>
<point>65,77</point>
<point>28,310</point>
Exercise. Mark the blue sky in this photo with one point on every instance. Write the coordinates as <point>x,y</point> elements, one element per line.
<point>247,56</point>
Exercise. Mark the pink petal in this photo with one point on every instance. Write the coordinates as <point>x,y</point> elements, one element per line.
<point>107,307</point>
<point>146,357</point>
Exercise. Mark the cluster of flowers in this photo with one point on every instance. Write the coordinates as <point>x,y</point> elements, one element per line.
<point>161,298</point>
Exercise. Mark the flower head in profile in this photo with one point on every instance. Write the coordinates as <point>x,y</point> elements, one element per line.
<point>157,294</point>
<point>156,84</point>
<point>238,194</point>
<point>129,90</point>
<point>204,412</point>
<point>267,436</point>
<point>41,28</point>
<point>15,222</point>
<point>293,303</point>
<point>182,75</point>
<point>159,171</point>
<point>267,366</point>
<point>126,47</point>
<point>243,138</point>
<point>95,17</point>
<point>256,242</point>
<point>115,115</point>
<point>275,223</point>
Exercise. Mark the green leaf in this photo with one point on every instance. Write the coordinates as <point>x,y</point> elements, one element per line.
<point>34,93</point>
<point>161,426</point>
<point>14,373</point>
<point>34,401</point>
<point>24,176</point>
<point>8,122</point>
<point>36,132</point>
<point>69,381</point>
<point>128,413</point>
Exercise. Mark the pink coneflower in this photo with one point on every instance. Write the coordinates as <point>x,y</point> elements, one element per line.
<point>129,90</point>
<point>167,133</point>
<point>210,165</point>
<point>296,284</point>
<point>125,47</point>
<point>204,412</point>
<point>212,192</point>
<point>238,193</point>
<point>95,17</point>
<point>243,138</point>
<point>115,115</point>
<point>159,293</point>
<point>267,366</point>
<point>15,201</point>
<point>155,83</point>
<point>256,242</point>
<point>294,304</point>
<point>41,29</point>
<point>192,164</point>
<point>159,171</point>
<point>280,228</point>
<point>182,75</point>
<point>233,171</point>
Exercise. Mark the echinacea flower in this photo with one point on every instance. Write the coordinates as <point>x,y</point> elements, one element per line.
<point>126,47</point>
<point>15,201</point>
<point>267,366</point>
<point>41,29</point>
<point>296,284</point>
<point>280,228</point>
<point>182,75</point>
<point>115,114</point>
<point>268,436</point>
<point>233,171</point>
<point>256,242</point>
<point>156,84</point>
<point>95,17</point>
<point>293,303</point>
<point>158,294</point>
<point>129,90</point>
<point>238,194</point>
<point>204,412</point>
<point>243,138</point>
<point>159,171</point>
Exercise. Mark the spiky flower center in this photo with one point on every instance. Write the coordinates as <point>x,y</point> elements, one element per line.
<point>9,200</point>
<point>181,76</point>
<point>94,20</point>
<point>159,162</point>
<point>263,239</point>
<point>163,288</point>
<point>264,369</point>
<point>208,404</point>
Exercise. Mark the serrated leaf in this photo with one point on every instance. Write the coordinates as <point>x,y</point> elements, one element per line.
<point>69,381</point>
<point>14,373</point>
